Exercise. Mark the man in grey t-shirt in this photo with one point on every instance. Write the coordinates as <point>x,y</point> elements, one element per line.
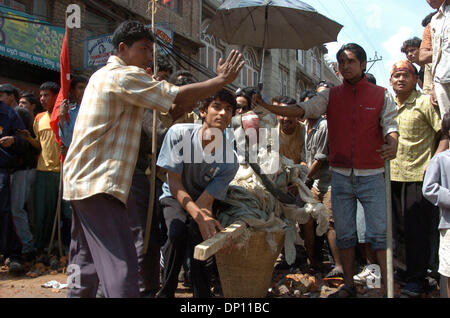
<point>200,164</point>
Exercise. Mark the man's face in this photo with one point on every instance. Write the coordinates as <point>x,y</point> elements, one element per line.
<point>219,114</point>
<point>78,91</point>
<point>47,99</point>
<point>403,82</point>
<point>23,102</point>
<point>412,54</point>
<point>7,98</point>
<point>435,4</point>
<point>350,67</point>
<point>242,105</point>
<point>287,124</point>
<point>140,53</point>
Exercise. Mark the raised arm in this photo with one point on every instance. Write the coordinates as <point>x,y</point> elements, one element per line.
<point>313,108</point>
<point>188,95</point>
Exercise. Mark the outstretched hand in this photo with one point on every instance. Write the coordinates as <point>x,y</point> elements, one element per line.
<point>229,70</point>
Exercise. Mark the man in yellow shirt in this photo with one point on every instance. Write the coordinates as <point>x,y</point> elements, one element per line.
<point>419,125</point>
<point>48,173</point>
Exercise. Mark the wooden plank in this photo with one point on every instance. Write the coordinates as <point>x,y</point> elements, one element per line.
<point>211,246</point>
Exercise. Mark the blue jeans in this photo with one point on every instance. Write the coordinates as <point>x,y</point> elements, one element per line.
<point>370,191</point>
<point>21,182</point>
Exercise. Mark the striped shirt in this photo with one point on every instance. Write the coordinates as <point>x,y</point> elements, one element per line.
<point>418,124</point>
<point>106,137</point>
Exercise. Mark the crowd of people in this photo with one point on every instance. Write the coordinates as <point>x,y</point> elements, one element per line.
<point>98,165</point>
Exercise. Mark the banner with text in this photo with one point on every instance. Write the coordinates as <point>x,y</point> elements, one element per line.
<point>24,37</point>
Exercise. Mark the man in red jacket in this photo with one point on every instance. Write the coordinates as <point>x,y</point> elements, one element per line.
<point>362,134</point>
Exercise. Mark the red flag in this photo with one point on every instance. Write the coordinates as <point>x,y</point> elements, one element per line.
<point>65,87</point>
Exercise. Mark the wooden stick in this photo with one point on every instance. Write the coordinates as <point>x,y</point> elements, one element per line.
<point>389,252</point>
<point>57,220</point>
<point>211,246</point>
<point>151,202</point>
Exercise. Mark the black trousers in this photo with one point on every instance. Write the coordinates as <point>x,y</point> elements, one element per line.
<point>10,244</point>
<point>411,216</point>
<point>183,235</point>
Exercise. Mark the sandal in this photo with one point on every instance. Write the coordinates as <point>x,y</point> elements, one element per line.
<point>350,292</point>
<point>335,273</point>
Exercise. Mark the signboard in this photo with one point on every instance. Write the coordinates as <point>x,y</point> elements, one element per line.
<point>99,48</point>
<point>32,42</point>
<point>163,31</point>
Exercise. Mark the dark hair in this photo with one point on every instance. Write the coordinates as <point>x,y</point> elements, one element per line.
<point>51,86</point>
<point>308,93</point>
<point>446,124</point>
<point>276,99</point>
<point>129,32</point>
<point>324,84</point>
<point>355,49</point>
<point>287,100</point>
<point>413,42</point>
<point>371,78</point>
<point>30,98</point>
<point>223,95</point>
<point>33,100</point>
<point>244,92</point>
<point>427,19</point>
<point>10,90</point>
<point>184,80</point>
<point>183,74</point>
<point>164,64</point>
<point>77,79</point>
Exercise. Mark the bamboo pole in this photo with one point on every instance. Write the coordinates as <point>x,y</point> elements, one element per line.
<point>151,200</point>
<point>389,255</point>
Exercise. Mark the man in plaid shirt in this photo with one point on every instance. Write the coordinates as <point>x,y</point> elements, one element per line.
<point>103,153</point>
<point>419,124</point>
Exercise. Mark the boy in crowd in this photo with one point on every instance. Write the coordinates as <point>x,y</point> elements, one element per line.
<point>194,183</point>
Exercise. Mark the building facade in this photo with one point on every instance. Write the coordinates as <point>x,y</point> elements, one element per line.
<point>286,72</point>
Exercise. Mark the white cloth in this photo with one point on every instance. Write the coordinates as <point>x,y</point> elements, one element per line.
<point>444,253</point>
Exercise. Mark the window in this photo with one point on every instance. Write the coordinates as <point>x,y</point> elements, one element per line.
<point>210,54</point>
<point>300,87</point>
<point>97,24</point>
<point>40,9</point>
<point>174,5</point>
<point>23,5</point>
<point>315,66</point>
<point>301,57</point>
<point>248,75</point>
<point>284,81</point>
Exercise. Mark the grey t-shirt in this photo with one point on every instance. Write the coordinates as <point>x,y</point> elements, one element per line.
<point>182,152</point>
<point>316,148</point>
<point>436,185</point>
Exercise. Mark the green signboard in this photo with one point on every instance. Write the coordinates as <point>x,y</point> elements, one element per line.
<point>26,38</point>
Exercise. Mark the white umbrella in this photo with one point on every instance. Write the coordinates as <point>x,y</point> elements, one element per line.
<point>283,24</point>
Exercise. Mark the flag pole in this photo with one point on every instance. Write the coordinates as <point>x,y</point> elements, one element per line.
<point>57,220</point>
<point>151,202</point>
<point>389,252</point>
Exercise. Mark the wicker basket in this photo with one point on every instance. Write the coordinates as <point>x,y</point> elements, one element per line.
<point>247,272</point>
